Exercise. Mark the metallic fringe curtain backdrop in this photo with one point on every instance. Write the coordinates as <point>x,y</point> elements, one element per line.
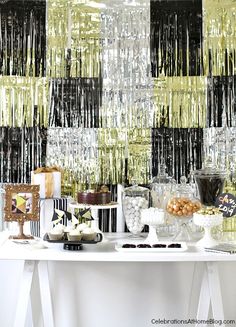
<point>105,89</point>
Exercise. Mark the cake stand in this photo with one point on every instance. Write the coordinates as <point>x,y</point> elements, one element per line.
<point>207,222</point>
<point>152,220</point>
<point>94,212</point>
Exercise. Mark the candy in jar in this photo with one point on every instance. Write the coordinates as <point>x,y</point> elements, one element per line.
<point>210,183</point>
<point>182,206</point>
<point>135,198</point>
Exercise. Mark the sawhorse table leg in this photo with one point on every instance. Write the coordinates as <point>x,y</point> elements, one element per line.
<point>210,294</point>
<point>24,294</point>
<point>25,289</point>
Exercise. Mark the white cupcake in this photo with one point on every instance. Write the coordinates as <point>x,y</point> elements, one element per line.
<point>88,234</point>
<point>81,227</point>
<point>55,235</point>
<point>74,235</point>
<point>59,228</point>
<point>68,229</point>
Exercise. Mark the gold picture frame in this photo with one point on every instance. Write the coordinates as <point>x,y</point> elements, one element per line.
<point>21,204</point>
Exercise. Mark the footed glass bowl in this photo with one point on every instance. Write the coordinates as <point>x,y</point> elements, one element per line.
<point>207,222</point>
<point>184,232</point>
<point>152,217</point>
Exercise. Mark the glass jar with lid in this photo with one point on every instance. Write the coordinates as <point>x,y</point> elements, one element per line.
<point>182,205</point>
<point>210,183</point>
<point>160,188</point>
<point>134,199</point>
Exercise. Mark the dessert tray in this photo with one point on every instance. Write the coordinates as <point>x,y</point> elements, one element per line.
<point>73,245</point>
<point>164,247</point>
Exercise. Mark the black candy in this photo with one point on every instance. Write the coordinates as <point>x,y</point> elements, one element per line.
<point>127,246</point>
<point>159,245</point>
<point>174,245</point>
<point>143,246</point>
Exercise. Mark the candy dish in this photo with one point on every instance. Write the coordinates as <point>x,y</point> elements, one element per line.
<point>164,247</point>
<point>207,218</point>
<point>152,217</point>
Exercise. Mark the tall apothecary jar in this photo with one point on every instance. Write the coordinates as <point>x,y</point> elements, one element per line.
<point>161,188</point>
<point>210,184</point>
<point>181,206</point>
<point>134,199</point>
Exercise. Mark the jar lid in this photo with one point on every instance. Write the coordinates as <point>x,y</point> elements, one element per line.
<point>183,187</point>
<point>209,170</point>
<point>162,177</point>
<point>136,190</point>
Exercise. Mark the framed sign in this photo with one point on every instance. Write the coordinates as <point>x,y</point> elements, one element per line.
<point>21,204</point>
<point>226,202</point>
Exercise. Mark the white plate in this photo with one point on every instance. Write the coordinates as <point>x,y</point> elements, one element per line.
<point>119,247</point>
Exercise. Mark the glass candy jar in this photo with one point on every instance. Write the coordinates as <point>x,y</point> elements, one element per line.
<point>134,199</point>
<point>210,183</point>
<point>182,205</point>
<point>160,188</point>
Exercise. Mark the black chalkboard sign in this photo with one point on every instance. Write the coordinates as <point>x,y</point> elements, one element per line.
<point>226,202</point>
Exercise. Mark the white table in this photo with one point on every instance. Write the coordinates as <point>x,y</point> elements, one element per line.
<point>38,259</point>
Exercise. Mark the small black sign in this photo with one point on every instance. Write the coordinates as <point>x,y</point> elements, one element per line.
<point>226,202</point>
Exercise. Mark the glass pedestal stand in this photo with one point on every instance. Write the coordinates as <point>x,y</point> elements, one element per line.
<point>152,220</point>
<point>152,235</point>
<point>184,232</point>
<point>207,222</point>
